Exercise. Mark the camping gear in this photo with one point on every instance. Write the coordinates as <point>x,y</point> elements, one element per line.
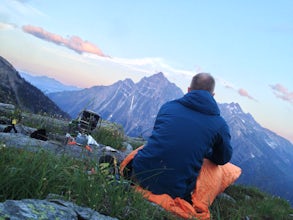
<point>81,139</point>
<point>108,166</point>
<point>87,121</point>
<point>39,134</point>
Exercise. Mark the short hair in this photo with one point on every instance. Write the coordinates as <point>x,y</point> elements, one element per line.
<point>203,81</point>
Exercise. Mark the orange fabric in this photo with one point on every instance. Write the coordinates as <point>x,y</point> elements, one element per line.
<point>88,148</point>
<point>212,180</point>
<point>71,143</point>
<point>128,159</point>
<point>177,206</point>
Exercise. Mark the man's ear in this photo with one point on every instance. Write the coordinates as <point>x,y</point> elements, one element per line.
<point>188,89</point>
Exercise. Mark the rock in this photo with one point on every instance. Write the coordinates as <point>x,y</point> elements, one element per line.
<point>226,197</point>
<point>44,209</point>
<point>23,141</point>
<point>128,147</point>
<point>6,108</point>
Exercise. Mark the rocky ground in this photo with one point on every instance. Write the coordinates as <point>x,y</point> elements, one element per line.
<point>23,140</point>
<point>47,209</point>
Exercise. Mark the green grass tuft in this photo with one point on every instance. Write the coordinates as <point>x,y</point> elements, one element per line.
<point>250,202</point>
<point>109,136</point>
<point>26,174</point>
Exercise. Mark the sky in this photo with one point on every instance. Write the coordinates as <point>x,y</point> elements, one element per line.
<point>246,45</point>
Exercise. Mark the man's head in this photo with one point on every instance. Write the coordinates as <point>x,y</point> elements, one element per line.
<point>203,81</point>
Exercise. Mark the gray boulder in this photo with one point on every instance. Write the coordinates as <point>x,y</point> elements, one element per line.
<point>44,209</point>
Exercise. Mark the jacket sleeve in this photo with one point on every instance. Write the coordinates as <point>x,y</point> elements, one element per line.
<point>221,151</point>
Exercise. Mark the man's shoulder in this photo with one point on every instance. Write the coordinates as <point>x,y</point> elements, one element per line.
<point>170,104</point>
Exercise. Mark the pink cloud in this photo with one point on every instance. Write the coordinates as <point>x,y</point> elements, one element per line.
<point>74,42</point>
<point>77,44</point>
<point>244,93</point>
<point>281,92</point>
<point>240,91</point>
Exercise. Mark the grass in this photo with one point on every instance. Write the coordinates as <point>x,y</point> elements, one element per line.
<point>251,203</point>
<point>25,174</point>
<point>51,124</point>
<point>110,135</point>
<point>114,136</point>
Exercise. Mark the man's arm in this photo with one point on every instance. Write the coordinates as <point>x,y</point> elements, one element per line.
<point>221,152</point>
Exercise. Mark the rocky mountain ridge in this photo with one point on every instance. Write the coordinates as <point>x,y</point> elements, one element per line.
<point>133,105</point>
<point>266,158</point>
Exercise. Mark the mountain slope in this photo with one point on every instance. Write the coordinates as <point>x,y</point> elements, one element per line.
<point>265,158</point>
<point>15,90</point>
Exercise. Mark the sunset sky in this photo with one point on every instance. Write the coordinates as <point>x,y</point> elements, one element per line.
<point>246,45</point>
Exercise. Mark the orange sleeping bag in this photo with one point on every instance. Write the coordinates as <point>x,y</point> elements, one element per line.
<point>212,180</point>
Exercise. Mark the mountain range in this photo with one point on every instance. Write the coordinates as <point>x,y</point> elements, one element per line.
<point>47,84</point>
<point>134,106</point>
<point>266,159</point>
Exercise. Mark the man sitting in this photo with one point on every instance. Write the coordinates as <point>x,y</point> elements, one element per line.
<point>187,132</point>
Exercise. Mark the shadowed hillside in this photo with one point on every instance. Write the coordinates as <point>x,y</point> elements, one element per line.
<point>15,90</point>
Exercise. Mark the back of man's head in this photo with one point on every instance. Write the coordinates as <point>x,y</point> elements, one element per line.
<point>203,81</point>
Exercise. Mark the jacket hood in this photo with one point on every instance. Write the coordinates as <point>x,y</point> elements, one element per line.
<point>201,101</point>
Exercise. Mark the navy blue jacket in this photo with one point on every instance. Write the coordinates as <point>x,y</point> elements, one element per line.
<point>186,131</point>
